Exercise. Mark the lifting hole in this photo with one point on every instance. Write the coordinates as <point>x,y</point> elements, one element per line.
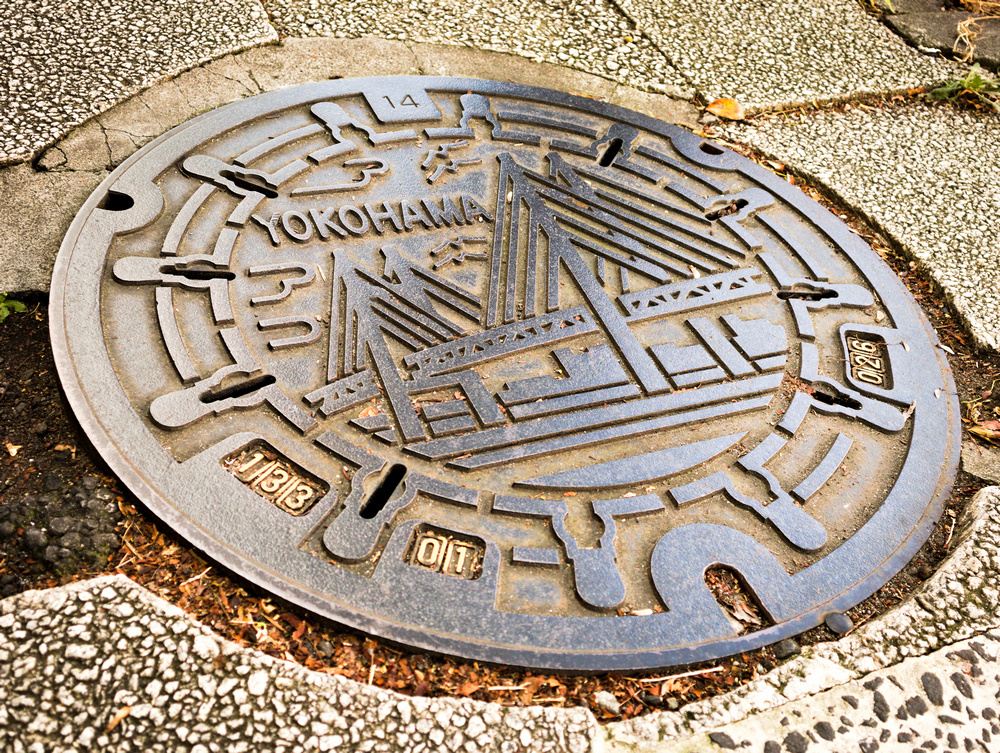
<point>383,492</point>
<point>839,399</point>
<point>710,148</point>
<point>613,150</point>
<point>198,274</point>
<point>248,185</point>
<point>731,208</point>
<point>241,389</point>
<point>116,202</point>
<point>806,295</point>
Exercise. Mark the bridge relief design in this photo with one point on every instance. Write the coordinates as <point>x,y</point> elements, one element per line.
<point>508,345</point>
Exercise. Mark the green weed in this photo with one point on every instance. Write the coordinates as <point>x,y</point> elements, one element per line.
<point>10,306</point>
<point>974,89</point>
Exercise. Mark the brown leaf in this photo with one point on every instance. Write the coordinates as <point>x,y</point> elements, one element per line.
<point>727,108</point>
<point>468,688</point>
<point>744,615</point>
<point>117,718</point>
<point>371,410</point>
<point>982,431</point>
<point>533,684</point>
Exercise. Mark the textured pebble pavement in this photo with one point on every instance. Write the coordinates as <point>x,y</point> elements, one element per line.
<point>65,62</point>
<point>104,665</point>
<point>920,181</point>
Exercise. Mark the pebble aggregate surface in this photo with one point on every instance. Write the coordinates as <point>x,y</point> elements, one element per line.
<point>765,54</point>
<point>952,613</point>
<point>105,665</point>
<point>63,63</point>
<point>947,698</point>
<point>588,35</point>
<point>925,176</point>
<point>770,54</point>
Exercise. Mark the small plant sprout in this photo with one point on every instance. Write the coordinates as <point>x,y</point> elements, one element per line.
<point>974,89</point>
<point>9,306</point>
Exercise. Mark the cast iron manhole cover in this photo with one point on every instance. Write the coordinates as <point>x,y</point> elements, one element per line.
<point>499,372</point>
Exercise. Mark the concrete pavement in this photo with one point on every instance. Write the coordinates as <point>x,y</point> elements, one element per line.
<point>85,89</point>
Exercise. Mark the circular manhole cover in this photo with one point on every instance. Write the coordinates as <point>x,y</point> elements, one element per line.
<point>501,372</point>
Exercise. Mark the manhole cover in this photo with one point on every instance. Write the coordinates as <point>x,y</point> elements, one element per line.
<point>500,372</point>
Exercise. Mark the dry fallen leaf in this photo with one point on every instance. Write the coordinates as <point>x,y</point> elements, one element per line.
<point>984,432</point>
<point>371,410</point>
<point>532,684</point>
<point>744,615</point>
<point>117,718</point>
<point>12,448</point>
<point>727,108</point>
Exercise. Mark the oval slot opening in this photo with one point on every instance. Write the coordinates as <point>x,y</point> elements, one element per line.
<point>116,202</point>
<point>613,150</point>
<point>845,401</point>
<point>807,295</point>
<point>248,185</point>
<point>238,390</point>
<point>383,492</point>
<point>196,273</point>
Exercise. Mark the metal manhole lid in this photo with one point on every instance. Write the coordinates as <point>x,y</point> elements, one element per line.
<point>499,372</point>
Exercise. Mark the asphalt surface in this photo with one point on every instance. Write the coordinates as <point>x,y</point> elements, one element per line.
<point>103,664</point>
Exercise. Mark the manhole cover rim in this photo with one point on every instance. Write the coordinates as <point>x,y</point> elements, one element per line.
<point>874,270</point>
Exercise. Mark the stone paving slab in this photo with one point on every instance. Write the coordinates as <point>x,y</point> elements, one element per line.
<point>773,54</point>
<point>982,461</point>
<point>925,176</point>
<point>932,27</point>
<point>592,36</point>
<point>947,698</point>
<point>956,605</point>
<point>65,62</point>
<point>69,171</point>
<point>105,665</point>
